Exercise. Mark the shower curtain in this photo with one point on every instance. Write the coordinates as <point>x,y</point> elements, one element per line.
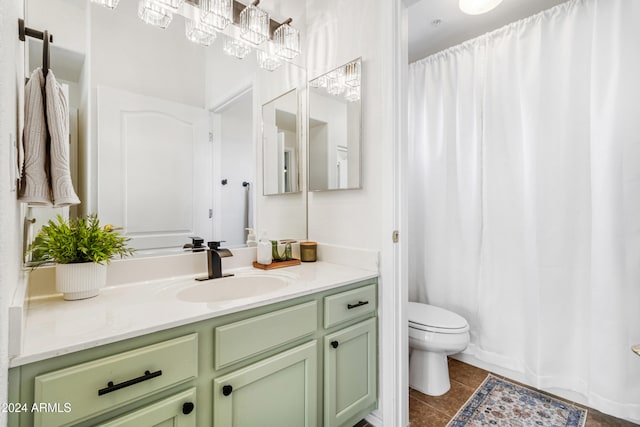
<point>524,149</point>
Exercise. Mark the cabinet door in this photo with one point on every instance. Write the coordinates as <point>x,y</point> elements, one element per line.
<point>278,391</point>
<point>174,411</point>
<point>349,372</point>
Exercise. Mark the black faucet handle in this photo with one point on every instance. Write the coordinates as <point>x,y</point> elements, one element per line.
<point>196,242</point>
<point>215,244</point>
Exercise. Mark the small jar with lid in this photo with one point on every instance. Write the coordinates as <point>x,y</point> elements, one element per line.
<point>308,251</point>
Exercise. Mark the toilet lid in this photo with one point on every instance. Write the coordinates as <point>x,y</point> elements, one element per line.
<point>431,318</point>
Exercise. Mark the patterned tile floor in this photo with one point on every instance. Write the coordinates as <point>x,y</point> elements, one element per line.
<point>429,411</point>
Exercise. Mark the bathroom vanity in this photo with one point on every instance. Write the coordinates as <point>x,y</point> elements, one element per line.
<point>149,353</point>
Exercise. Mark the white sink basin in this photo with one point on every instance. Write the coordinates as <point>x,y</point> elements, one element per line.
<point>230,288</point>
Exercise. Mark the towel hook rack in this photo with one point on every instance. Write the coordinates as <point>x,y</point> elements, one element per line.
<point>24,32</point>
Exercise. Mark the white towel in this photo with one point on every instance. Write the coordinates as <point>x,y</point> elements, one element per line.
<point>34,185</point>
<point>58,121</point>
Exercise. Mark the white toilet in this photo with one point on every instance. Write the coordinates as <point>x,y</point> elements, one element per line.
<point>433,334</point>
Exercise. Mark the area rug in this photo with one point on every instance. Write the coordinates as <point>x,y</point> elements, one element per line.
<point>501,403</point>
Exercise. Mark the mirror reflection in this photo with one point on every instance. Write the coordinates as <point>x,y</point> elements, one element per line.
<point>280,144</point>
<point>166,128</point>
<point>335,122</point>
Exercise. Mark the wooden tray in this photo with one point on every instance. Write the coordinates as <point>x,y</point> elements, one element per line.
<point>277,264</point>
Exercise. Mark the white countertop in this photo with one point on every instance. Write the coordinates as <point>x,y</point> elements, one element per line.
<point>55,327</point>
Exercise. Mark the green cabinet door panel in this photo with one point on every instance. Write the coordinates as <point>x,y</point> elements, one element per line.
<point>175,411</point>
<point>280,391</point>
<point>349,372</point>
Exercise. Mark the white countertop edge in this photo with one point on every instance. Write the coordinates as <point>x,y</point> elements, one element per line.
<point>36,356</point>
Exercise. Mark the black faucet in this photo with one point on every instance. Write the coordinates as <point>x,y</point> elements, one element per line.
<point>214,261</point>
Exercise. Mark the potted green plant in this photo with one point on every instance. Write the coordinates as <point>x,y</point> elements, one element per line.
<point>80,248</point>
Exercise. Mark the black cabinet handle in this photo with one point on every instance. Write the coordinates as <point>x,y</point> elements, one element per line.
<point>335,344</point>
<point>226,390</point>
<point>360,303</point>
<point>113,387</point>
<point>187,408</point>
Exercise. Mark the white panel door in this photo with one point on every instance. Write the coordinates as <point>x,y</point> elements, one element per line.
<point>154,168</point>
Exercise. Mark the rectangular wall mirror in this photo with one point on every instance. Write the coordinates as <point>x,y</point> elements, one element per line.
<point>280,145</point>
<point>335,129</point>
<point>168,131</point>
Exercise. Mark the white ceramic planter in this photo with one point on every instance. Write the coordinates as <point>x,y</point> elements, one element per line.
<point>80,281</point>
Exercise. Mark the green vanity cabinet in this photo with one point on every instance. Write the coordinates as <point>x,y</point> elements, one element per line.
<point>273,365</point>
<point>278,391</point>
<point>349,373</point>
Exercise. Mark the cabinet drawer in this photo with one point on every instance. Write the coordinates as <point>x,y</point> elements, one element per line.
<point>177,410</point>
<point>240,340</point>
<point>349,305</point>
<point>98,386</point>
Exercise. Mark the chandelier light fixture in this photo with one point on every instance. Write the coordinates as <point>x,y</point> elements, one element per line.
<point>268,62</point>
<point>217,13</point>
<point>236,48</point>
<point>478,7</point>
<point>199,32</point>
<point>152,13</point>
<point>244,27</point>
<point>111,4</point>
<point>170,5</point>
<point>254,24</point>
<point>287,40</point>
<point>342,82</point>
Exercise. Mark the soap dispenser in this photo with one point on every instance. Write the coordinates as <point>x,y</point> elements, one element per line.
<point>264,250</point>
<point>251,238</point>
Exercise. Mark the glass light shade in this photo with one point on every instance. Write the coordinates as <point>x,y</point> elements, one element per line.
<point>254,24</point>
<point>111,4</point>
<point>287,40</point>
<point>236,48</point>
<point>352,94</point>
<point>171,5</point>
<point>268,62</point>
<point>199,32</point>
<point>153,14</point>
<point>477,7</point>
<point>352,74</point>
<point>334,86</point>
<point>217,13</point>
<point>319,81</point>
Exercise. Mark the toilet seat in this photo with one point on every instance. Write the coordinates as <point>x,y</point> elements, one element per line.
<point>430,318</point>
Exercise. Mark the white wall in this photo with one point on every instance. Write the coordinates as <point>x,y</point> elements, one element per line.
<point>11,107</point>
<point>338,32</point>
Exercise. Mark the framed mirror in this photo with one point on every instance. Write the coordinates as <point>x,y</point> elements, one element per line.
<point>335,129</point>
<point>280,145</point>
<point>168,131</point>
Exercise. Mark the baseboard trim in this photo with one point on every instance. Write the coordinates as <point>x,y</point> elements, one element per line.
<point>374,419</point>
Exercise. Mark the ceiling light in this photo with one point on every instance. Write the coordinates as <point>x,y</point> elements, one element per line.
<point>267,61</point>
<point>254,24</point>
<point>151,13</point>
<point>477,7</point>
<point>199,32</point>
<point>111,4</point>
<point>217,13</point>
<point>236,48</point>
<point>287,40</point>
<point>170,5</point>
